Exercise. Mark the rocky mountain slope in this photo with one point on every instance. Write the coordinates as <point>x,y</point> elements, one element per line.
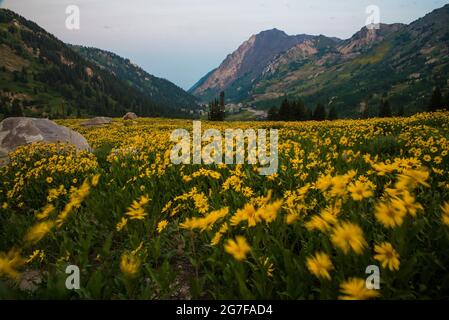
<point>401,62</point>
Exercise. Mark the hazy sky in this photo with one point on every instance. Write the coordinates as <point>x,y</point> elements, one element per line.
<point>181,40</point>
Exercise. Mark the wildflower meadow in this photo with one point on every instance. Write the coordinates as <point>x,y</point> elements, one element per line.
<point>348,194</point>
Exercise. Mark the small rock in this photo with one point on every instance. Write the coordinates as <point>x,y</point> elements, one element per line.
<point>130,116</point>
<point>30,280</point>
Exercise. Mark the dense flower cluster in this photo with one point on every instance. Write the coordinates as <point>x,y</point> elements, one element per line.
<point>348,194</point>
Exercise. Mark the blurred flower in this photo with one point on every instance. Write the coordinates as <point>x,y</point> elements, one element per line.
<point>238,248</point>
<point>38,231</point>
<point>387,256</point>
<point>162,225</point>
<point>9,262</point>
<point>320,265</point>
<point>348,236</point>
<point>355,289</point>
<point>129,264</point>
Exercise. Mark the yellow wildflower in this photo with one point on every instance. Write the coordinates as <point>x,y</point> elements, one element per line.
<point>390,214</point>
<point>162,225</point>
<point>129,264</point>
<point>320,265</point>
<point>38,231</point>
<point>445,217</point>
<point>355,289</point>
<point>348,236</point>
<point>387,256</point>
<point>136,210</point>
<point>45,212</point>
<point>238,248</point>
<point>360,191</point>
<point>9,263</point>
<point>121,224</point>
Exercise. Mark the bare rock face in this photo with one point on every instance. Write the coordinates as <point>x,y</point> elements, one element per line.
<point>97,121</point>
<point>130,116</point>
<point>19,131</point>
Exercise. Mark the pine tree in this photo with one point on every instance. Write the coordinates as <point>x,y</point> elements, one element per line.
<point>446,101</point>
<point>401,111</point>
<point>285,111</point>
<point>216,109</point>
<point>320,113</point>
<point>16,110</point>
<point>436,101</point>
<point>273,114</point>
<point>333,115</point>
<point>385,109</point>
<point>298,110</point>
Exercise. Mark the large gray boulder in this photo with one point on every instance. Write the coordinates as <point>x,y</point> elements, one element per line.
<point>130,116</point>
<point>97,121</point>
<point>19,131</point>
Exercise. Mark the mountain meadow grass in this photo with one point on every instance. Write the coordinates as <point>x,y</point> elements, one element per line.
<point>348,194</point>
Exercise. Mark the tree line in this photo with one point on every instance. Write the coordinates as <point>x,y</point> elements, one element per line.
<point>295,109</point>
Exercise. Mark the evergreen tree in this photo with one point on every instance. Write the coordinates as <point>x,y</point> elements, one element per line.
<point>436,101</point>
<point>401,111</point>
<point>320,112</point>
<point>385,109</point>
<point>333,115</point>
<point>446,101</point>
<point>285,111</point>
<point>298,110</point>
<point>216,109</point>
<point>273,114</point>
<point>16,110</point>
<point>366,111</point>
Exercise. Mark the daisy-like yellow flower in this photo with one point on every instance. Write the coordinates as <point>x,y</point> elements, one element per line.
<point>9,262</point>
<point>322,222</point>
<point>238,248</point>
<point>270,211</point>
<point>96,179</point>
<point>409,203</point>
<point>248,213</point>
<point>49,180</point>
<point>205,223</point>
<point>121,224</point>
<point>445,217</point>
<point>136,210</point>
<point>36,254</point>
<point>38,231</point>
<point>390,214</point>
<point>292,217</point>
<point>348,236</point>
<point>320,265</point>
<point>387,256</point>
<point>355,289</point>
<point>129,264</point>
<point>268,266</point>
<point>360,191</point>
<point>162,225</point>
<point>410,179</point>
<point>45,212</point>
